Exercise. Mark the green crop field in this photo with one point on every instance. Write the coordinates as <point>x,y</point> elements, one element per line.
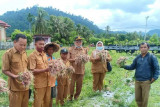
<point>119,83</point>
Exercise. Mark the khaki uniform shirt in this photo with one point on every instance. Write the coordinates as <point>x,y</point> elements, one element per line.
<point>15,62</point>
<point>39,61</point>
<point>73,52</point>
<point>97,65</point>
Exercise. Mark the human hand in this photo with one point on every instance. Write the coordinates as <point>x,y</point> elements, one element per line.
<point>152,80</point>
<point>15,76</point>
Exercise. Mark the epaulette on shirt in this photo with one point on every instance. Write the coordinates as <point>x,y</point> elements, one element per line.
<point>9,50</point>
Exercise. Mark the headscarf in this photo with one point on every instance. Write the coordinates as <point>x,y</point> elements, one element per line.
<point>98,43</point>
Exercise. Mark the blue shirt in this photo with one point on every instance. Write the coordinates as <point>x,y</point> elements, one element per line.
<point>144,69</point>
<point>49,58</point>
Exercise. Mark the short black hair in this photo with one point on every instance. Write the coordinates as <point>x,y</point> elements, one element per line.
<point>19,36</point>
<point>143,44</point>
<point>64,51</point>
<point>39,39</point>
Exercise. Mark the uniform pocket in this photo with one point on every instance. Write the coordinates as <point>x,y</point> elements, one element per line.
<point>15,62</point>
<point>39,62</point>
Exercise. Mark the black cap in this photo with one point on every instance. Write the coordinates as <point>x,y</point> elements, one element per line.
<point>64,50</point>
<point>78,38</point>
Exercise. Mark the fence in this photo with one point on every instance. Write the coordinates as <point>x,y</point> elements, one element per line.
<point>132,49</point>
<point>7,45</point>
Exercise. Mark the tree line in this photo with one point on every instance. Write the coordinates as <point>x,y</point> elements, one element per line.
<point>63,30</point>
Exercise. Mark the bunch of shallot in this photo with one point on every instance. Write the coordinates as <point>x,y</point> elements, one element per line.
<point>70,70</point>
<point>3,86</point>
<point>121,61</point>
<point>83,59</point>
<point>103,55</point>
<point>26,78</point>
<point>57,68</point>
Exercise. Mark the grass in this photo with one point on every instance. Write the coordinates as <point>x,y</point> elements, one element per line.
<point>117,84</point>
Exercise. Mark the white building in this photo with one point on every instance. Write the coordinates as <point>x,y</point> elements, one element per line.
<point>3,27</point>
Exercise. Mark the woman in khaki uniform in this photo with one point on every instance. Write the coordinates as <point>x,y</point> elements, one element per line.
<point>63,81</point>
<point>99,68</point>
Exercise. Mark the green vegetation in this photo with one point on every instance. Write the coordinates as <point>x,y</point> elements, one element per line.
<point>63,27</point>
<point>16,31</point>
<point>118,78</point>
<point>19,19</point>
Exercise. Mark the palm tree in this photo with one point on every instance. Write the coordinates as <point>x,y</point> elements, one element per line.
<point>107,28</point>
<point>61,25</point>
<point>41,22</point>
<point>30,19</point>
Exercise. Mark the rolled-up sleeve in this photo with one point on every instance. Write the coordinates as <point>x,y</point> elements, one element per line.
<point>6,62</point>
<point>31,62</point>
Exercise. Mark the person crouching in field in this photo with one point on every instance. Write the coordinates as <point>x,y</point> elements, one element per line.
<point>14,62</point>
<point>38,64</point>
<point>63,81</point>
<point>147,71</point>
<point>99,68</point>
<point>49,49</point>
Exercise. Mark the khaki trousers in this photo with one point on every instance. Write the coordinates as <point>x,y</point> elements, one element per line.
<point>18,98</point>
<point>78,80</point>
<point>98,81</point>
<point>42,97</point>
<point>142,89</point>
<point>62,92</point>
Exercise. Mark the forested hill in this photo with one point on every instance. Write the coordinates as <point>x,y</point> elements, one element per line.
<point>18,19</point>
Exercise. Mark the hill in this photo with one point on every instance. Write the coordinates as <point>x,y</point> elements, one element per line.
<point>18,19</point>
<point>154,31</point>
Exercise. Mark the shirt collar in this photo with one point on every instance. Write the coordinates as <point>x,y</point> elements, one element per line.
<point>38,53</point>
<point>15,51</point>
<point>78,48</point>
<point>146,54</point>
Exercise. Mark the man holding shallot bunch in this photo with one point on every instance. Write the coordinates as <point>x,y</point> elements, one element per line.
<point>15,62</point>
<point>146,72</point>
<point>77,57</point>
<point>38,64</point>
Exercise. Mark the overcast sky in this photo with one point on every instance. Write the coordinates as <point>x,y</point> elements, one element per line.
<point>128,15</point>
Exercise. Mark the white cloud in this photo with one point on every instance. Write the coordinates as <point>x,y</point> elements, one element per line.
<point>118,14</point>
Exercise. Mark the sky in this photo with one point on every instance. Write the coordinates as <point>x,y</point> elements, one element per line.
<point>120,15</point>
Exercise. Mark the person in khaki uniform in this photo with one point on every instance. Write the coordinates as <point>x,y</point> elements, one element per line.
<point>98,68</point>
<point>49,49</point>
<point>63,81</point>
<point>14,61</point>
<point>38,64</point>
<point>77,77</point>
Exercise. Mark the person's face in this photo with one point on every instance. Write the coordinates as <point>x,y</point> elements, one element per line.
<point>50,51</point>
<point>20,45</point>
<point>64,55</point>
<point>78,43</point>
<point>99,45</point>
<point>144,49</point>
<point>40,45</point>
